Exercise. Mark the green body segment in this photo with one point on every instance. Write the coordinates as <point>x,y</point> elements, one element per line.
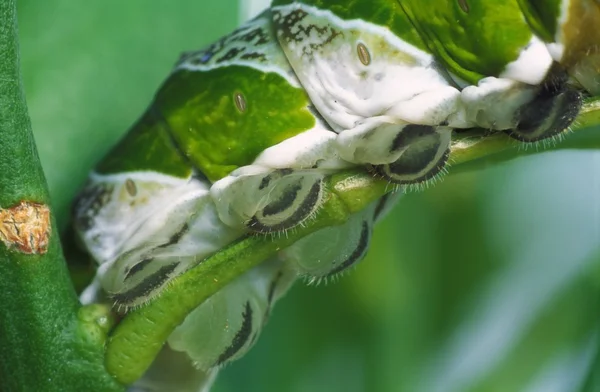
<point>542,16</point>
<point>148,146</point>
<point>449,28</point>
<point>384,13</point>
<point>225,117</point>
<point>213,120</point>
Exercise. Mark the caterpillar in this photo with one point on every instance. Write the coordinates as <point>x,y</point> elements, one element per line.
<point>242,135</point>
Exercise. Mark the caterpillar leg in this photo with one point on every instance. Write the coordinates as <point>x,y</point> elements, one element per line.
<point>284,185</point>
<point>552,111</point>
<point>332,250</point>
<point>268,200</point>
<point>526,112</point>
<point>424,153</point>
<point>227,324</point>
<point>402,153</point>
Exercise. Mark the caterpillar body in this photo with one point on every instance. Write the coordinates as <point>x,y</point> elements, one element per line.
<point>241,136</point>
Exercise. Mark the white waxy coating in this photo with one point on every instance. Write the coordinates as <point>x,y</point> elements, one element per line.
<point>345,90</point>
<point>531,66</point>
<point>494,102</point>
<point>115,216</point>
<point>305,150</point>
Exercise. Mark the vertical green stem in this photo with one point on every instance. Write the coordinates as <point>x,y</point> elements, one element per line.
<point>47,342</point>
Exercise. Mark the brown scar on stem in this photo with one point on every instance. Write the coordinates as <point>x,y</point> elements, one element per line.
<point>26,227</point>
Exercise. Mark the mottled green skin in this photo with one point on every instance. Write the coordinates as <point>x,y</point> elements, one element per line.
<point>384,13</point>
<point>472,44</point>
<point>147,147</point>
<point>197,123</point>
<point>542,16</point>
<point>213,133</point>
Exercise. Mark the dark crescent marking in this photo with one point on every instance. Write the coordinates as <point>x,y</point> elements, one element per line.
<point>381,205</point>
<point>240,338</point>
<point>175,237</point>
<point>311,199</point>
<point>409,133</point>
<point>541,108</point>
<point>148,285</point>
<point>267,180</point>
<point>416,161</point>
<point>285,202</point>
<point>137,268</point>
<point>363,243</point>
<point>272,288</point>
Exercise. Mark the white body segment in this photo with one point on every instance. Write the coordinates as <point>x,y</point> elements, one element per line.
<point>482,102</point>
<point>532,66</point>
<point>148,228</point>
<point>367,83</point>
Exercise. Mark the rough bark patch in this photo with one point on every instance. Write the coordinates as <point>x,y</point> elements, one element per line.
<point>26,227</point>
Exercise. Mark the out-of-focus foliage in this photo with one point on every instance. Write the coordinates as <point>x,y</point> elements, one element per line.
<point>489,281</point>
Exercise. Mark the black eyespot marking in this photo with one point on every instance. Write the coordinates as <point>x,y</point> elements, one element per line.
<point>137,268</point>
<point>147,286</point>
<point>286,201</point>
<point>410,134</point>
<point>305,209</point>
<point>359,251</point>
<point>240,102</point>
<point>363,54</point>
<point>240,338</point>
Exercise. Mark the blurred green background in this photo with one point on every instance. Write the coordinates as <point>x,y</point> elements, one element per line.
<point>489,281</point>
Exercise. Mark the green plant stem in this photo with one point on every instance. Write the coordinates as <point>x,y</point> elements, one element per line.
<point>139,337</point>
<point>48,342</point>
